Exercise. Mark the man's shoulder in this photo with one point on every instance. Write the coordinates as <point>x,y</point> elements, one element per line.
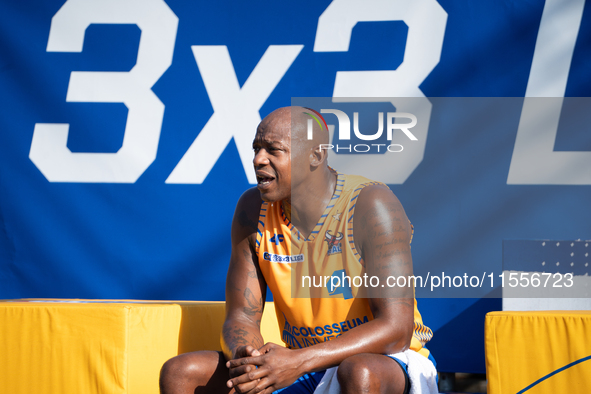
<point>368,189</point>
<point>250,199</point>
<point>247,209</point>
<point>358,182</point>
<point>374,196</point>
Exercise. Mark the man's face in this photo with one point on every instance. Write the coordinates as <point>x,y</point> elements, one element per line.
<point>272,160</point>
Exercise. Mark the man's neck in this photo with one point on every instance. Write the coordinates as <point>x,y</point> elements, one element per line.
<point>306,206</point>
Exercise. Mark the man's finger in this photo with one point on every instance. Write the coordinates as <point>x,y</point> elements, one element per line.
<point>267,346</point>
<point>244,351</point>
<point>247,387</point>
<point>241,370</point>
<point>258,360</point>
<point>268,390</point>
<point>251,351</point>
<point>252,376</point>
<point>257,389</point>
<point>262,386</point>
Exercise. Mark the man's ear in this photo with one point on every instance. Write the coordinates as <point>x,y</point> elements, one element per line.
<point>318,155</point>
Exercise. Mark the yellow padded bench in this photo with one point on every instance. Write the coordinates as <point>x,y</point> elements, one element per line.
<point>541,352</point>
<point>106,347</point>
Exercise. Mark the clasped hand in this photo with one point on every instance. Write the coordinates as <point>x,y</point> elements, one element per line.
<point>265,370</point>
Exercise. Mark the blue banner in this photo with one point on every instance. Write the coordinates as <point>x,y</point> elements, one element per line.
<point>126,129</point>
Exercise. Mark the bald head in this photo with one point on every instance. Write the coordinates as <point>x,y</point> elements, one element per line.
<point>301,120</point>
<point>294,124</point>
<point>286,158</point>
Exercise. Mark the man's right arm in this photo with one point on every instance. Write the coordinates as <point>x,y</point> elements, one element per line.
<point>245,285</point>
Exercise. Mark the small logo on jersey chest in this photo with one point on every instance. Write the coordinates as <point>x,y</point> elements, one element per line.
<point>334,242</point>
<point>277,239</point>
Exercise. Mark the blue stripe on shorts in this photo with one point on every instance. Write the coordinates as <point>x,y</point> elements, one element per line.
<point>402,364</point>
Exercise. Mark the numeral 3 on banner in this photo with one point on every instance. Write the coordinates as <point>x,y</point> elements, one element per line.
<point>158,24</point>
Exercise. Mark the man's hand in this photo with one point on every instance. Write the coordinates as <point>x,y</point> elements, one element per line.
<point>234,372</point>
<point>241,352</point>
<point>276,367</point>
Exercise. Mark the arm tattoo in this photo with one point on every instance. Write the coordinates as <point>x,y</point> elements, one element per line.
<point>254,306</point>
<point>248,256</point>
<point>387,242</point>
<point>238,336</point>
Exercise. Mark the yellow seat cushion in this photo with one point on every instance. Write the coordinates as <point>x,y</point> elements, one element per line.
<point>538,352</point>
<point>88,346</point>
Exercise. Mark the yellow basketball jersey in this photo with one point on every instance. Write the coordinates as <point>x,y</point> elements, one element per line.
<point>319,309</point>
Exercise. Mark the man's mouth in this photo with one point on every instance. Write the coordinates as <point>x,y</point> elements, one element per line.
<point>263,181</point>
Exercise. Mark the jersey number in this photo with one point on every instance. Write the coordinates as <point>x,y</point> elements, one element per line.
<point>343,289</point>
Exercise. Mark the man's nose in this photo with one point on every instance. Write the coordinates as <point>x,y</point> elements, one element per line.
<point>260,158</point>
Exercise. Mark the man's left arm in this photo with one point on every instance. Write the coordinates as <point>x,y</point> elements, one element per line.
<point>382,234</point>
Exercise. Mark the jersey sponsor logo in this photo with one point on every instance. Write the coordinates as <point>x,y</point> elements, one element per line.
<point>299,337</point>
<point>334,242</point>
<point>282,258</point>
